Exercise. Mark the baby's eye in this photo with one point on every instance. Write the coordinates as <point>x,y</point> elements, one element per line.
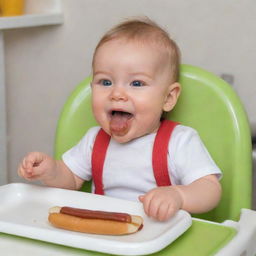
<point>137,83</point>
<point>106,82</point>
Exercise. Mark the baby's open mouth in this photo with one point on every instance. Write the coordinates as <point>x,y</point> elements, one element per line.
<point>121,114</point>
<point>120,122</point>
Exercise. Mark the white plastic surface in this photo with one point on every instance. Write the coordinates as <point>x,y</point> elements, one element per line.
<point>24,212</point>
<point>244,243</point>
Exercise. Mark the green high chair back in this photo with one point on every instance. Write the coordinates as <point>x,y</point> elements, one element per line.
<point>208,104</point>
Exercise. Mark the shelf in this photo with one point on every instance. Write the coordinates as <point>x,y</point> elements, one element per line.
<point>31,20</point>
<point>36,13</point>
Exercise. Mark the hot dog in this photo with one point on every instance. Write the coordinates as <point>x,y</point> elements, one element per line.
<point>94,222</point>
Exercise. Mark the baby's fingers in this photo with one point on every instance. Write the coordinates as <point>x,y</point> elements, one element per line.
<point>24,173</point>
<point>27,165</point>
<point>165,211</point>
<point>32,160</point>
<point>151,205</point>
<point>146,200</point>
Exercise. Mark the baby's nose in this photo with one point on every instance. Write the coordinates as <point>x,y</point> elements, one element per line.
<point>118,93</point>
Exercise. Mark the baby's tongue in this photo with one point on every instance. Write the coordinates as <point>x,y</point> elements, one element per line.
<point>119,123</point>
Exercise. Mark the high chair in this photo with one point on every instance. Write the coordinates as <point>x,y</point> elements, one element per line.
<point>208,104</point>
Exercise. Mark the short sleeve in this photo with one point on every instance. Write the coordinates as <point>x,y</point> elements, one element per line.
<point>189,159</point>
<point>78,158</point>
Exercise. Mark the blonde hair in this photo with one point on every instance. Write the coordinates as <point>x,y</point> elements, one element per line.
<point>145,30</point>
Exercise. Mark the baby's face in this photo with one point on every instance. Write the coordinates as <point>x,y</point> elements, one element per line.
<point>130,88</point>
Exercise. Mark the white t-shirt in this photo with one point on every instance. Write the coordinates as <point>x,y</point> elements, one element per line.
<point>128,170</point>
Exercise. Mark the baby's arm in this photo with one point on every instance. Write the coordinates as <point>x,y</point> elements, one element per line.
<point>200,196</point>
<point>51,172</point>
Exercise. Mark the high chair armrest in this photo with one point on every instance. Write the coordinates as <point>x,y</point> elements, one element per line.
<point>243,243</point>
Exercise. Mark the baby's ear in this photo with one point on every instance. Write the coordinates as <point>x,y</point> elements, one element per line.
<point>172,96</point>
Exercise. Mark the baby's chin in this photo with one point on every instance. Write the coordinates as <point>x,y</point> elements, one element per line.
<point>122,139</point>
<point>127,137</point>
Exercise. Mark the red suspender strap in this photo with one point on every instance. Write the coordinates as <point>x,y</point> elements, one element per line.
<point>98,157</point>
<point>160,153</point>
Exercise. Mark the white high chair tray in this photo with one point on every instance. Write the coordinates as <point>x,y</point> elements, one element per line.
<point>24,212</point>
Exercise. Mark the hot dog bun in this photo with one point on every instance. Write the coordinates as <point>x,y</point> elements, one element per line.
<point>94,226</point>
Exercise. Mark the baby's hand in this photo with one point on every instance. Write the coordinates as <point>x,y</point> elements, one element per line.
<point>36,166</point>
<point>162,203</point>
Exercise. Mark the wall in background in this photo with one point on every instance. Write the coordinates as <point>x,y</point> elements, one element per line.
<point>44,64</point>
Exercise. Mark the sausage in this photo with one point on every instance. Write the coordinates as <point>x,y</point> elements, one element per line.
<point>90,214</point>
<point>94,222</point>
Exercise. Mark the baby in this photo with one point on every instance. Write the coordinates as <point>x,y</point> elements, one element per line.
<point>135,80</point>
